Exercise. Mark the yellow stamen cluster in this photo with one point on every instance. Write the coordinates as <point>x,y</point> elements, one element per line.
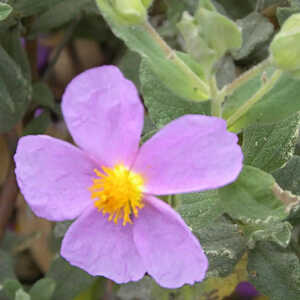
<point>118,192</point>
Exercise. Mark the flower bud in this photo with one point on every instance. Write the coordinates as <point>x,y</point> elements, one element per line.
<point>220,33</point>
<point>285,47</point>
<point>202,38</point>
<point>133,11</point>
<point>195,45</point>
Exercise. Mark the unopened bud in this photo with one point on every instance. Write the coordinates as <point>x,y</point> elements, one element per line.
<point>219,32</point>
<point>133,11</point>
<point>285,47</point>
<point>124,12</point>
<point>202,38</point>
<point>194,44</point>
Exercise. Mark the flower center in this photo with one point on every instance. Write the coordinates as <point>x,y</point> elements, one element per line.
<point>118,192</point>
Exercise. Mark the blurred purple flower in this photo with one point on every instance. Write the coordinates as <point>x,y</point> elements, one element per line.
<point>246,291</point>
<point>38,112</point>
<point>43,54</point>
<point>111,174</point>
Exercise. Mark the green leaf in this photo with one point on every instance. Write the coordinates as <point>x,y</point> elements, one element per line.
<point>42,95</point>
<point>195,44</point>
<point>11,42</point>
<point>199,32</point>
<point>6,270</point>
<point>15,92</point>
<point>211,288</point>
<point>280,103</point>
<point>226,71</point>
<point>221,240</point>
<point>200,209</point>
<point>129,64</point>
<point>275,271</point>
<point>256,30</point>
<point>61,228</point>
<point>70,281</point>
<point>147,289</point>
<point>60,14</point>
<point>21,295</point>
<point>98,290</point>
<point>283,13</point>
<point>6,99</point>
<point>164,63</point>
<point>234,8</point>
<point>141,289</point>
<point>294,218</point>
<point>10,287</point>
<point>270,230</point>
<point>176,8</point>
<point>43,289</point>
<point>288,177</point>
<point>32,7</point>
<point>5,10</point>
<point>223,244</point>
<point>162,104</point>
<point>251,196</point>
<point>214,24</point>
<point>217,288</point>
<point>38,125</point>
<point>269,146</point>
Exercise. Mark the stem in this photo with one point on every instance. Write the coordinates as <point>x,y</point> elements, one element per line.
<point>32,53</point>
<point>255,98</point>
<point>168,199</point>
<point>175,201</point>
<point>67,36</point>
<point>8,198</point>
<point>171,55</point>
<point>109,290</point>
<point>216,103</point>
<point>9,191</point>
<point>245,77</point>
<point>31,47</point>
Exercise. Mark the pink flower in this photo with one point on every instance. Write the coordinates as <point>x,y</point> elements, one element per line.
<point>122,230</point>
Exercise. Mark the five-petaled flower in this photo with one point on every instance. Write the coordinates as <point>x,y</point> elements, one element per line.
<point>122,230</point>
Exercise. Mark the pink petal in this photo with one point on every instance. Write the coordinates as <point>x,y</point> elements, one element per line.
<point>101,247</point>
<point>171,253</point>
<point>192,153</point>
<point>53,176</point>
<point>104,114</point>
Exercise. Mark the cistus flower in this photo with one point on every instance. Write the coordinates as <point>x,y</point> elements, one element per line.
<point>108,184</point>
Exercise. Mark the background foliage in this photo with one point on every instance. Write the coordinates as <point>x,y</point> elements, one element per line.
<point>248,229</point>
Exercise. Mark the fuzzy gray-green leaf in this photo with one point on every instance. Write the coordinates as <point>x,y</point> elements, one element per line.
<point>269,146</point>
<point>278,104</point>
<point>5,10</point>
<point>200,209</point>
<point>288,177</point>
<point>251,196</point>
<point>275,271</point>
<point>223,244</point>
<point>70,281</point>
<point>256,29</point>
<point>17,87</point>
